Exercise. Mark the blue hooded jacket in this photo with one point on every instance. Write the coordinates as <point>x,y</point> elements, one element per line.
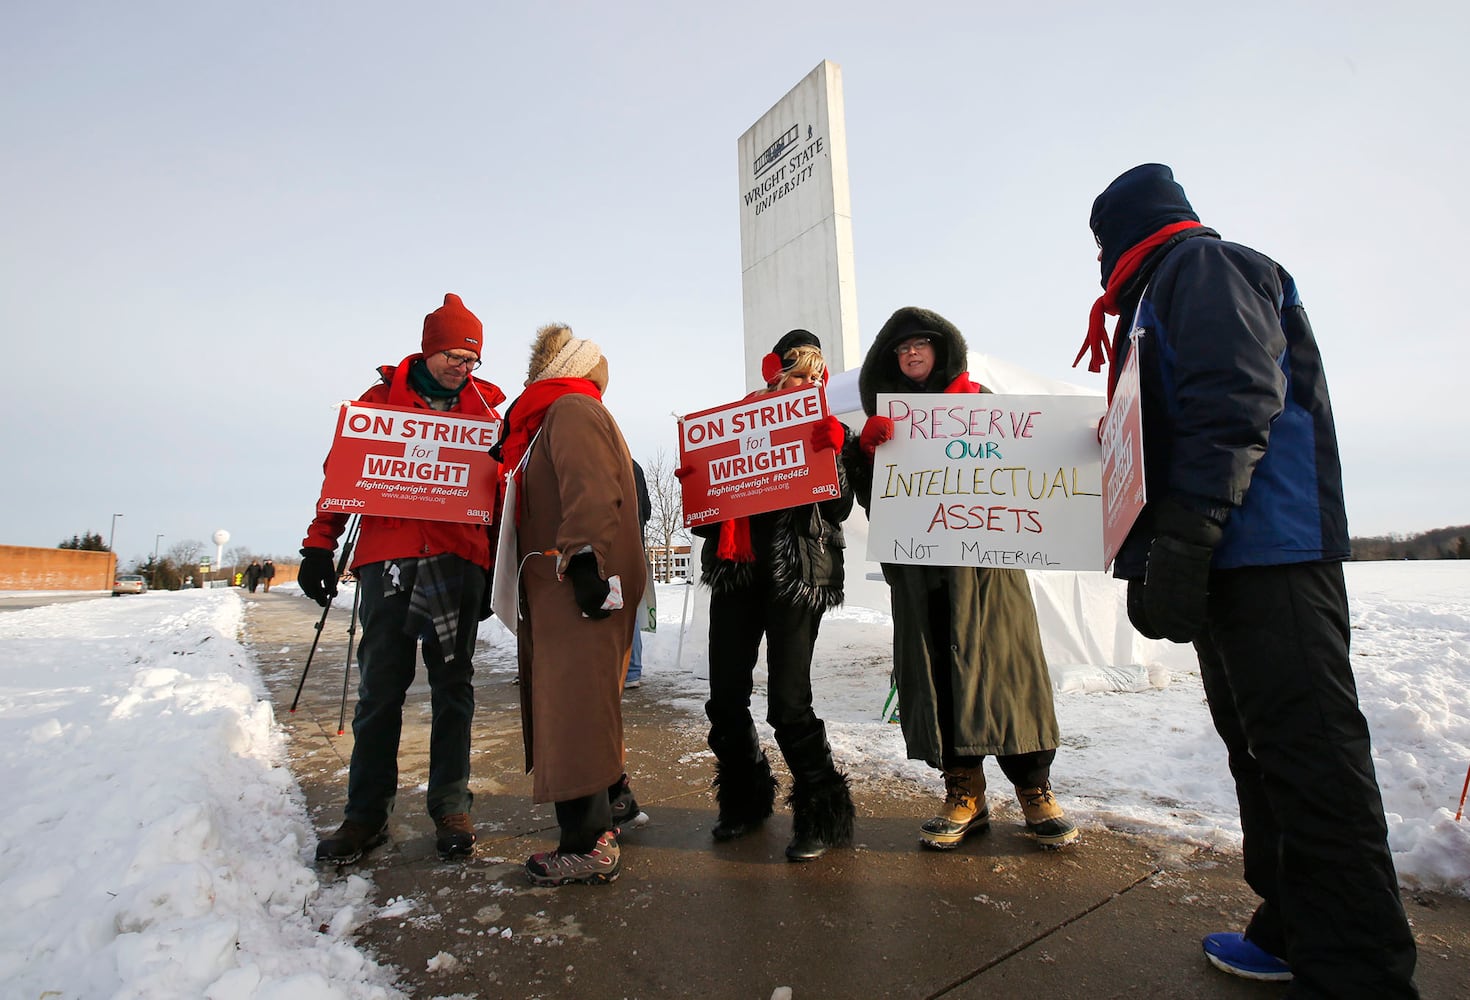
<point>1236,415</point>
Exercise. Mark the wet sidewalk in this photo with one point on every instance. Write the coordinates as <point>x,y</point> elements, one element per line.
<point>1113,915</point>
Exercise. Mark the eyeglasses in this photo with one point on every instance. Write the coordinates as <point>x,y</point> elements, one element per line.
<point>461,360</point>
<point>913,346</point>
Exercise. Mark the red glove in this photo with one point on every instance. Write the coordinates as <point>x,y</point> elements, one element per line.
<point>828,434</point>
<point>683,471</point>
<point>877,430</point>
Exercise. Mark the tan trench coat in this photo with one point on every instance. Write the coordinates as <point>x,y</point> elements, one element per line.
<point>577,490</point>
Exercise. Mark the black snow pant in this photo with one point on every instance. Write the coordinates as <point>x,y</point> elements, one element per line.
<point>583,821</point>
<point>1275,666</point>
<point>738,619</point>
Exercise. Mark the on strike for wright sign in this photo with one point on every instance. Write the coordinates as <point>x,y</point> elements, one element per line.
<point>395,461</point>
<point>755,456</point>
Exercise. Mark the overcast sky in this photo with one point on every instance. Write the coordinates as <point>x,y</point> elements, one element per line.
<point>219,218</point>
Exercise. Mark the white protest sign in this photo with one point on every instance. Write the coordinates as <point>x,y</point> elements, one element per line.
<point>988,480</point>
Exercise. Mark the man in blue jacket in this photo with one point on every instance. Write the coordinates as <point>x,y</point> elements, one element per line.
<point>1239,551</point>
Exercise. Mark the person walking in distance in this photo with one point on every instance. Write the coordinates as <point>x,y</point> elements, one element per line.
<point>1239,551</point>
<point>967,658</point>
<point>418,580</point>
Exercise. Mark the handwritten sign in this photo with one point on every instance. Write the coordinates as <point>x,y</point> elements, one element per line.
<point>395,461</point>
<point>988,480</point>
<point>1122,459</point>
<point>755,456</point>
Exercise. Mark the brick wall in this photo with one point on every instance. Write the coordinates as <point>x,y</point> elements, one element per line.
<point>26,568</point>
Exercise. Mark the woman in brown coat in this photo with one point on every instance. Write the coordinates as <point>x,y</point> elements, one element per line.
<point>967,658</point>
<point>577,537</point>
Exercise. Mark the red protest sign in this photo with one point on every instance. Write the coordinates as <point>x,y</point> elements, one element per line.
<point>396,461</point>
<point>1122,459</point>
<point>755,456</point>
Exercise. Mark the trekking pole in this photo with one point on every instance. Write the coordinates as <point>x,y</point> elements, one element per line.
<point>347,545</point>
<point>1466,790</point>
<point>347,670</point>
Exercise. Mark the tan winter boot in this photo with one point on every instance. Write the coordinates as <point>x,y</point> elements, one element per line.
<point>964,812</point>
<point>1044,818</point>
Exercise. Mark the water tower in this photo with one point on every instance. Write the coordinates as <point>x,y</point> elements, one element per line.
<point>220,537</point>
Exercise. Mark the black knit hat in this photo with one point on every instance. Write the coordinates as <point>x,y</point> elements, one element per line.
<point>1134,207</point>
<point>775,363</point>
<point>795,338</point>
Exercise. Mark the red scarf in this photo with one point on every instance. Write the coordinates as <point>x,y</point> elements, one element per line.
<point>1097,336</point>
<point>734,544</point>
<point>964,383</point>
<point>525,415</point>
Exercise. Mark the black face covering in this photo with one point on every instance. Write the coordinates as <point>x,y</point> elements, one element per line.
<point>1134,207</point>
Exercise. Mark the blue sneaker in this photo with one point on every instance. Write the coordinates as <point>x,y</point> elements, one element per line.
<point>1232,953</point>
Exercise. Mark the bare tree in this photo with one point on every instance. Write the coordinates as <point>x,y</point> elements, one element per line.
<point>666,526</point>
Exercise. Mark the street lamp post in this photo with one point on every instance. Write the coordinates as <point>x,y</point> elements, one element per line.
<point>158,538</point>
<point>112,533</point>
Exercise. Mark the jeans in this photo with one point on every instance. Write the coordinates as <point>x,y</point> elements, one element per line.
<point>635,663</point>
<point>387,662</point>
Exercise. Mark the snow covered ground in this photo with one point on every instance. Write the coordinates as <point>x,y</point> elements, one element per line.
<point>135,732</point>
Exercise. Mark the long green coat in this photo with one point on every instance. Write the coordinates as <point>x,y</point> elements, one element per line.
<point>992,654</point>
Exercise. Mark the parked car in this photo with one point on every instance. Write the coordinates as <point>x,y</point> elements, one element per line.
<point>129,583</point>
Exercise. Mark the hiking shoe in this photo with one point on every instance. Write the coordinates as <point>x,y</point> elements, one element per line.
<point>600,865</point>
<point>1232,953</point>
<point>625,812</point>
<point>1044,818</point>
<point>455,836</point>
<point>349,842</point>
<point>964,812</point>
<point>633,684</point>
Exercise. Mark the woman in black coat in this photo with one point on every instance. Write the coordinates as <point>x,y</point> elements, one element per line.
<point>774,575</point>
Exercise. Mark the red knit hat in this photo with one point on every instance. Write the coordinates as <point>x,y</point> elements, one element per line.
<point>452,327</point>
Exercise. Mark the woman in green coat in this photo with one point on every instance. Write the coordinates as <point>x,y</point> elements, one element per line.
<point>972,677</point>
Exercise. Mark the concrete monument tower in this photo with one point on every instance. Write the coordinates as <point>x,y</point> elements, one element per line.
<point>796,225</point>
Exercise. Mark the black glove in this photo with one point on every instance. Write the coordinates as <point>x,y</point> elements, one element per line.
<point>1136,613</point>
<point>589,588</point>
<point>1177,585</point>
<point>318,575</point>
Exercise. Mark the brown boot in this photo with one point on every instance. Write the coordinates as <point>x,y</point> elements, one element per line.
<point>964,812</point>
<point>1044,818</point>
<point>454,836</point>
<point>349,842</point>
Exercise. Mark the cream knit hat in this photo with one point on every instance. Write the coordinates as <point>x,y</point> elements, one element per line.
<point>574,358</point>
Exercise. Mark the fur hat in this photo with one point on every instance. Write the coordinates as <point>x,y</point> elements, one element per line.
<point>555,353</point>
<point>773,364</point>
<point>452,327</point>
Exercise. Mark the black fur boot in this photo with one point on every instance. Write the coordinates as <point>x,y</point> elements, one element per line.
<point>746,793</point>
<point>821,815</point>
<point>821,803</point>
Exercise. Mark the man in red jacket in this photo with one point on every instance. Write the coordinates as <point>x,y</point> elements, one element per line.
<point>417,579</point>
